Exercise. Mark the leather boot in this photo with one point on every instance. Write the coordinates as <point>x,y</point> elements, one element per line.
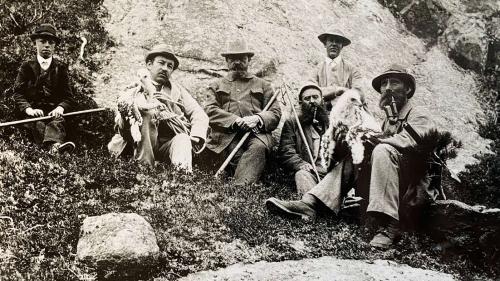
<point>295,209</point>
<point>387,235</point>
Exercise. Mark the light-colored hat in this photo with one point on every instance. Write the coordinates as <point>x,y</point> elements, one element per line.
<point>237,47</point>
<point>164,50</point>
<point>309,85</point>
<point>397,71</point>
<point>335,33</point>
<point>45,30</point>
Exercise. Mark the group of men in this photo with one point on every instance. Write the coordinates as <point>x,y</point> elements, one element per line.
<point>159,120</point>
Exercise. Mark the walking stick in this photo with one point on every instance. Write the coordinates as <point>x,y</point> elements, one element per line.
<point>24,121</point>
<point>302,135</point>
<point>243,139</point>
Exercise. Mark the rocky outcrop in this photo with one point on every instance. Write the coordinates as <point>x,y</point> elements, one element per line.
<point>118,245</point>
<point>284,36</point>
<point>324,268</point>
<point>462,28</point>
<point>472,229</point>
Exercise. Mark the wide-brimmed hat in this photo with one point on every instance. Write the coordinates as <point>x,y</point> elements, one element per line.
<point>331,31</point>
<point>398,71</point>
<point>309,85</point>
<point>163,50</point>
<point>45,30</point>
<point>237,47</point>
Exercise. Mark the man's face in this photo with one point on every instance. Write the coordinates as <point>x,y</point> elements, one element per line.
<point>45,46</point>
<point>333,46</point>
<point>238,62</point>
<point>393,87</point>
<point>312,97</point>
<point>161,69</point>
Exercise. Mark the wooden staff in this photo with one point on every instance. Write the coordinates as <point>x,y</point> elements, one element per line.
<point>303,136</point>
<point>24,121</point>
<point>243,139</point>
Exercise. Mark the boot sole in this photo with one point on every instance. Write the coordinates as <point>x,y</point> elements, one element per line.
<point>275,207</point>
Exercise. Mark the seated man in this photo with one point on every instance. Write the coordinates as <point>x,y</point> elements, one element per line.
<point>42,88</point>
<point>235,106</point>
<point>398,166</point>
<point>292,152</point>
<point>158,118</point>
<point>335,75</point>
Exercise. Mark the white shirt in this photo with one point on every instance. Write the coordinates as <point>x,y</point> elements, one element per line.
<point>44,63</point>
<point>332,63</point>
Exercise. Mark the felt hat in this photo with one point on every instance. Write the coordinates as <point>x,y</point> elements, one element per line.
<point>237,47</point>
<point>398,71</point>
<point>163,50</point>
<point>308,85</point>
<point>45,30</point>
<point>334,33</point>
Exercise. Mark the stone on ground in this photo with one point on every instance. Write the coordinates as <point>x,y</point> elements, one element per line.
<point>118,244</point>
<point>324,268</point>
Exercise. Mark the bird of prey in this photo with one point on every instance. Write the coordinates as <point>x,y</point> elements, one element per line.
<point>349,117</point>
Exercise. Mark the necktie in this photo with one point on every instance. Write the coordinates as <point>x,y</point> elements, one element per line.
<point>158,87</point>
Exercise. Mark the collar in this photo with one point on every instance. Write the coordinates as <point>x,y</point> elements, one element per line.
<point>230,76</point>
<point>41,61</point>
<point>335,61</point>
<point>167,84</point>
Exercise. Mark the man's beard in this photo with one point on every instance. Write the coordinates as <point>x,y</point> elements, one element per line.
<point>313,114</point>
<point>239,70</point>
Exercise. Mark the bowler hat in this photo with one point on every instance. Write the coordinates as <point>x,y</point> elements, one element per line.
<point>237,47</point>
<point>163,50</point>
<point>45,30</point>
<point>335,33</point>
<point>399,72</point>
<point>306,86</point>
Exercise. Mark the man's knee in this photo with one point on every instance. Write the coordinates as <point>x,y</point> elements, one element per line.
<point>384,151</point>
<point>257,146</point>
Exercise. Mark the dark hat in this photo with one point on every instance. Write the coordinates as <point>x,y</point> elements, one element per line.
<point>163,50</point>
<point>237,47</point>
<point>335,33</point>
<point>45,30</point>
<point>309,85</point>
<point>397,71</point>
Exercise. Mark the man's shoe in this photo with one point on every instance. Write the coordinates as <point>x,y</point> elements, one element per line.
<point>291,208</point>
<point>386,236</point>
<point>66,147</point>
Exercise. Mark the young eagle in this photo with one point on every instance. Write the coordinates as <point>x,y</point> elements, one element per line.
<point>349,115</point>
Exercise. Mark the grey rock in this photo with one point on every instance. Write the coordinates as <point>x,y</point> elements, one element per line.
<point>324,268</point>
<point>118,245</point>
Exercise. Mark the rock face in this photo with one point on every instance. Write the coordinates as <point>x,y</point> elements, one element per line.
<point>284,36</point>
<point>324,268</point>
<point>118,245</point>
<point>462,28</point>
<point>473,229</point>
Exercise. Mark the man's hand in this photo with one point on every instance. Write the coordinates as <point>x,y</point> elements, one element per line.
<point>307,167</point>
<point>34,112</point>
<point>339,134</point>
<point>57,112</point>
<point>247,123</point>
<point>331,92</point>
<point>197,144</point>
<point>372,139</point>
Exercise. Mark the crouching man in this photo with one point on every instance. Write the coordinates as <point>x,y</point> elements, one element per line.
<point>292,151</point>
<point>399,182</point>
<point>42,88</point>
<point>158,119</point>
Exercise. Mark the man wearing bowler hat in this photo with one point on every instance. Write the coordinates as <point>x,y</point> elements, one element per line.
<point>398,173</point>
<point>158,119</point>
<point>234,106</point>
<point>334,75</point>
<point>42,88</point>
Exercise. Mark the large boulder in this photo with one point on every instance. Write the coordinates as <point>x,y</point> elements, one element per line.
<point>284,36</point>
<point>118,245</point>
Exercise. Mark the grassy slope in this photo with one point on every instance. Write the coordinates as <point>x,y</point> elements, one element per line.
<point>200,223</point>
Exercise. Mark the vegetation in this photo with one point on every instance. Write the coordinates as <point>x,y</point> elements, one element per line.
<point>200,223</point>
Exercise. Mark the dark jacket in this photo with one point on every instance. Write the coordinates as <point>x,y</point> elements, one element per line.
<point>229,99</point>
<point>43,91</point>
<point>292,151</point>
